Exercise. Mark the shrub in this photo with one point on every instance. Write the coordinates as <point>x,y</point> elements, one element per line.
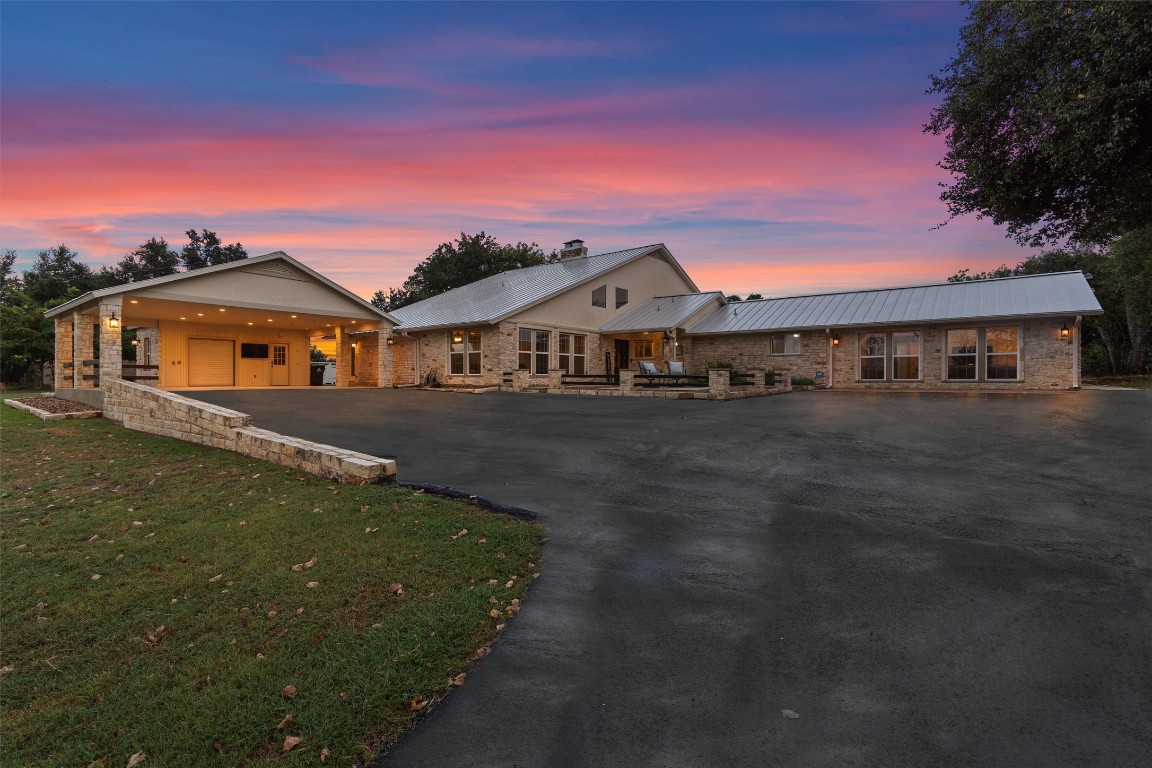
<point>803,381</point>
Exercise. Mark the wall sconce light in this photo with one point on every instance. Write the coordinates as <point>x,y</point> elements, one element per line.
<point>113,322</point>
<point>355,344</point>
<point>135,342</point>
<point>1065,331</point>
<point>835,340</point>
<point>391,341</point>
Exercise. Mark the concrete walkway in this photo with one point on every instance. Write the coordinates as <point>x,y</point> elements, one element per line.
<point>946,580</point>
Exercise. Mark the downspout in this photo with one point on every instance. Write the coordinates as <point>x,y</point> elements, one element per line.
<point>831,359</point>
<point>1076,352</point>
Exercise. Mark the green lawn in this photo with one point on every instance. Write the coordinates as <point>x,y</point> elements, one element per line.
<point>151,603</point>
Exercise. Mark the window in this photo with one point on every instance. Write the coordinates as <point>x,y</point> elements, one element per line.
<point>464,351</point>
<point>352,359</point>
<point>1003,354</point>
<point>961,350</point>
<point>621,297</point>
<point>572,353</point>
<point>906,356</point>
<point>642,348</point>
<point>785,343</point>
<point>280,355</point>
<point>256,351</point>
<point>532,351</point>
<point>600,296</point>
<point>872,350</point>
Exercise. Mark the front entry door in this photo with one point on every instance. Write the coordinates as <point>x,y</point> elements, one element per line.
<point>622,358</point>
<point>279,365</point>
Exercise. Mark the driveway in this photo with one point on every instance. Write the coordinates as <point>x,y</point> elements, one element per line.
<point>926,579</point>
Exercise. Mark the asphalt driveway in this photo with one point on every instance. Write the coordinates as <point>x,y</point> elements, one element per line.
<point>926,579</point>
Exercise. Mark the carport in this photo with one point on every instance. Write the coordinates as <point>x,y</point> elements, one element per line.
<point>244,324</point>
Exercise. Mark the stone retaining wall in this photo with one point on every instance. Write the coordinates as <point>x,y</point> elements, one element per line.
<point>145,409</point>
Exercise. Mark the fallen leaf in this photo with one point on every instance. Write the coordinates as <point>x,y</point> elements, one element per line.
<point>418,704</point>
<point>6,669</point>
<point>459,679</point>
<point>494,613</point>
<point>285,722</point>
<point>137,524</point>
<point>94,539</point>
<point>152,637</point>
<point>363,507</point>
<point>481,542</point>
<point>215,578</point>
<point>95,577</point>
<point>98,763</point>
<point>289,692</point>
<point>325,754</point>
<point>500,627</point>
<point>516,602</point>
<point>312,584</point>
<point>271,614</point>
<point>479,653</point>
<point>789,714</point>
<point>291,741</point>
<point>511,583</point>
<point>300,610</point>
<point>39,606</point>
<point>344,695</point>
<point>136,759</point>
<point>501,556</point>
<point>396,588</point>
<point>19,547</point>
<point>462,532</point>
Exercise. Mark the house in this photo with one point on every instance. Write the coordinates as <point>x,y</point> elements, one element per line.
<point>538,319</point>
<point>247,323</point>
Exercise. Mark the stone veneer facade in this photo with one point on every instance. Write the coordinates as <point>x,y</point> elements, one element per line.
<point>1046,361</point>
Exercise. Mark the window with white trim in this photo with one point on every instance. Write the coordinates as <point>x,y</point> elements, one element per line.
<point>464,352</point>
<point>784,344</point>
<point>572,349</point>
<point>872,353</point>
<point>532,351</point>
<point>906,356</point>
<point>961,355</point>
<point>1002,356</point>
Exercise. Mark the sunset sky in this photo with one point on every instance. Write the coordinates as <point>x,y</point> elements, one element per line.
<point>772,147</point>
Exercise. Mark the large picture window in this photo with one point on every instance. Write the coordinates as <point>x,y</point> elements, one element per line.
<point>872,352</point>
<point>961,349</point>
<point>906,356</point>
<point>784,343</point>
<point>1003,354</point>
<point>464,352</point>
<point>572,352</point>
<point>532,351</point>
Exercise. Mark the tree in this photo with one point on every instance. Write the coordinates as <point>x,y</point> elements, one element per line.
<point>754,297</point>
<point>152,259</point>
<point>1121,278</point>
<point>205,250</point>
<point>734,297</point>
<point>451,265</point>
<point>1047,117</point>
<point>57,274</point>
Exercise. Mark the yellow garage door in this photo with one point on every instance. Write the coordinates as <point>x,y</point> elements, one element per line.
<point>211,363</point>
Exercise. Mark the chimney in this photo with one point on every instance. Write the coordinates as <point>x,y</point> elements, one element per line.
<point>573,249</point>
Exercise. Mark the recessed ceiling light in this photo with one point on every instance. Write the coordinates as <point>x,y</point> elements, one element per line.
<point>269,319</point>
<point>199,314</point>
<point>133,301</point>
<point>293,315</point>
<point>222,309</point>
<point>183,318</point>
<point>249,323</point>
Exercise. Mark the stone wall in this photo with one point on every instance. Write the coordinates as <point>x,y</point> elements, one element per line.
<point>1046,362</point>
<point>146,409</point>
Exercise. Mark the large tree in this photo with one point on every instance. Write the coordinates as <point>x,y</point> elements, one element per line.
<point>466,260</point>
<point>1047,117</point>
<point>204,249</point>
<point>152,259</point>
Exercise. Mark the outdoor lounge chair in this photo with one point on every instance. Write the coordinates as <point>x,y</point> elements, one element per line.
<point>676,368</point>
<point>648,369</point>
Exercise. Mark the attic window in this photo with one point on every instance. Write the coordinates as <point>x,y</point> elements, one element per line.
<point>621,297</point>
<point>600,296</point>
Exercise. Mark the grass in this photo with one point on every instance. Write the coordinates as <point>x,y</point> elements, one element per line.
<point>1135,381</point>
<point>150,602</point>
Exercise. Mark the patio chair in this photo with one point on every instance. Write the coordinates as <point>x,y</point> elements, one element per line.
<point>676,368</point>
<point>648,369</point>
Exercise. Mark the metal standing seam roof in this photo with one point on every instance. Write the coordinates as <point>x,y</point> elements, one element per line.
<point>494,298</point>
<point>662,313</point>
<point>1059,293</point>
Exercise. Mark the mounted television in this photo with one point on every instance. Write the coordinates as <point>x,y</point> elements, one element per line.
<point>255,351</point>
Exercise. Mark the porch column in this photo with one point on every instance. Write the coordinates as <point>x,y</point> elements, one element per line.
<point>83,347</point>
<point>62,379</point>
<point>343,357</point>
<point>111,339</point>
<point>719,383</point>
<point>384,358</point>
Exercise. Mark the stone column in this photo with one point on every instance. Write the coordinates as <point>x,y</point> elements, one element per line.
<point>63,353</point>
<point>627,380</point>
<point>719,383</point>
<point>384,357</point>
<point>555,380</point>
<point>111,340</point>
<point>343,358</point>
<point>83,348</point>
<point>758,378</point>
<point>520,380</point>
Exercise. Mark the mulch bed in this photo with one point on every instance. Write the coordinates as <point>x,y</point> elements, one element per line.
<point>55,404</point>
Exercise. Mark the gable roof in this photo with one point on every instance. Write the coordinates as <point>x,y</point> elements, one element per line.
<point>662,313</point>
<point>242,264</point>
<point>500,296</point>
<point>1058,293</point>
